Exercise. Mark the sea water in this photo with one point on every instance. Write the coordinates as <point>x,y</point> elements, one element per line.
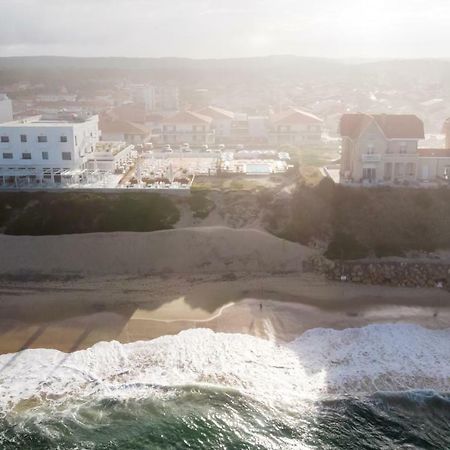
<point>378,387</point>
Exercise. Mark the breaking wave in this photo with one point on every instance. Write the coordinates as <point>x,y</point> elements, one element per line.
<point>222,389</point>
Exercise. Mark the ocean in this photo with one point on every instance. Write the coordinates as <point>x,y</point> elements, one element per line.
<point>383,386</point>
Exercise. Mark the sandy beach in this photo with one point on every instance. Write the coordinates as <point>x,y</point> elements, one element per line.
<point>75,314</point>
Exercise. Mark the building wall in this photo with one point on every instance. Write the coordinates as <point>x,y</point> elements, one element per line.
<point>194,134</point>
<point>296,134</point>
<point>160,98</point>
<point>383,160</point>
<point>222,129</point>
<point>431,168</point>
<point>81,140</point>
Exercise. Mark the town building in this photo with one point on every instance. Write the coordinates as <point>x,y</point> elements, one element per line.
<point>434,164</point>
<point>188,127</point>
<point>39,150</point>
<point>295,127</point>
<point>222,122</point>
<point>124,131</point>
<point>384,149</point>
<point>380,147</point>
<point>158,99</point>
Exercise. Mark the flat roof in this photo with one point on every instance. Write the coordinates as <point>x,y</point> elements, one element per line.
<point>39,122</point>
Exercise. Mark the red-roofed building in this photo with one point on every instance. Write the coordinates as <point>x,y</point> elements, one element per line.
<point>296,127</point>
<point>380,148</point>
<point>124,131</point>
<point>188,126</point>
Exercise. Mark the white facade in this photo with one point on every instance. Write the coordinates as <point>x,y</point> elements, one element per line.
<point>111,156</point>
<point>258,128</point>
<point>158,98</point>
<point>43,150</point>
<point>6,111</point>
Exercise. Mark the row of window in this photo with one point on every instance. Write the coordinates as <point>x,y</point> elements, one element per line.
<point>66,156</point>
<point>24,138</point>
<point>195,129</point>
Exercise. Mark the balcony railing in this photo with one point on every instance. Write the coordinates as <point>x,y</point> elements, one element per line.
<point>371,158</point>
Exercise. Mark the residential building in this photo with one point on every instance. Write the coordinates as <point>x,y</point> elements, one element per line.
<point>6,110</point>
<point>124,131</point>
<point>434,164</point>
<point>222,122</point>
<point>380,148</point>
<point>164,99</point>
<point>44,150</point>
<point>258,129</point>
<point>295,127</point>
<point>239,129</point>
<point>188,127</point>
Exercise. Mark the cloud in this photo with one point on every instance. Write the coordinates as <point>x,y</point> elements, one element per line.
<point>207,28</point>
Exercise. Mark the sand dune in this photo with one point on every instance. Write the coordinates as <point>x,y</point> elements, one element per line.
<point>188,250</point>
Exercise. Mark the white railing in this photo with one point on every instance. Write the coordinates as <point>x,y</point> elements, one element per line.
<point>371,158</point>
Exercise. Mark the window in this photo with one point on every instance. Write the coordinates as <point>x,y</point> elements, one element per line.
<point>369,174</point>
<point>42,139</point>
<point>370,149</point>
<point>403,147</point>
<point>4,139</point>
<point>23,138</point>
<point>76,141</point>
<point>7,156</point>
<point>66,156</point>
<point>63,139</point>
<point>26,155</point>
<point>44,155</point>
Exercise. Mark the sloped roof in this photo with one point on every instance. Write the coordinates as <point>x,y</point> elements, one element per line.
<point>295,117</point>
<point>216,113</point>
<point>131,112</point>
<point>434,152</point>
<point>393,126</point>
<point>122,126</point>
<point>188,117</point>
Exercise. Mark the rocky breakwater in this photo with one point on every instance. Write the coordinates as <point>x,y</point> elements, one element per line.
<point>392,273</point>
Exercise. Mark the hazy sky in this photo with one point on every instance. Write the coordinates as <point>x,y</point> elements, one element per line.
<point>225,28</point>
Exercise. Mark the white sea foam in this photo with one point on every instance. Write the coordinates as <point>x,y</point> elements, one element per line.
<point>321,361</point>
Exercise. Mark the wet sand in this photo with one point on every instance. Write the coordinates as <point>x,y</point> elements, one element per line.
<point>75,314</point>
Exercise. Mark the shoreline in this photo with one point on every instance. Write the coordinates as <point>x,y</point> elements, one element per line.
<point>75,314</point>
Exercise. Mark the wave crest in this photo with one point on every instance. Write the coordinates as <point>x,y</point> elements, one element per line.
<point>321,361</point>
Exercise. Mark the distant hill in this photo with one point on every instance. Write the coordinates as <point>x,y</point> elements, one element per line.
<point>263,69</point>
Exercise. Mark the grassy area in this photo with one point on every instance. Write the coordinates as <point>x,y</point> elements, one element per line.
<point>44,213</point>
<point>201,205</point>
<point>310,175</point>
<point>360,222</point>
<point>317,157</point>
<point>234,183</point>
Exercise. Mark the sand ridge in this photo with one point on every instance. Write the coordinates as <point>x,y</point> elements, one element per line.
<point>186,250</point>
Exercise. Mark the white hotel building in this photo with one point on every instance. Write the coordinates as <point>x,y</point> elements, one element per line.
<point>40,151</point>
